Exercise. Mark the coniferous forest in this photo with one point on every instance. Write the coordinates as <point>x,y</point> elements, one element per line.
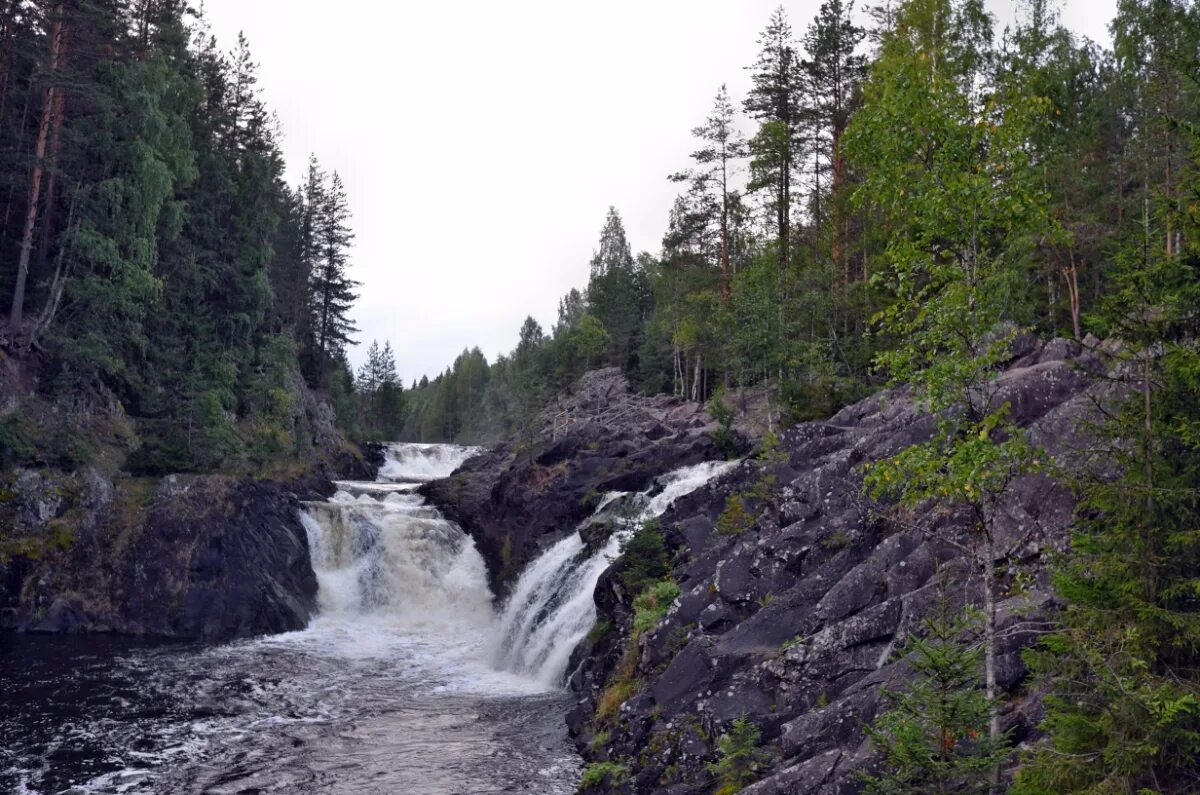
<point>780,253</point>
<point>907,193</point>
<point>156,259</point>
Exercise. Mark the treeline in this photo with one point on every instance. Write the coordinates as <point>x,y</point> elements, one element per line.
<point>907,216</point>
<point>153,257</point>
<point>777,258</point>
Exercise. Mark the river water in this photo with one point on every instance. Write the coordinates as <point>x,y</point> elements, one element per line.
<point>408,681</point>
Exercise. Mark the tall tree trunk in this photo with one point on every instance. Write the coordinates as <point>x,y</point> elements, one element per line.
<point>1071,275</point>
<point>47,225</point>
<point>12,185</point>
<point>840,233</point>
<point>49,101</point>
<point>7,34</point>
<point>724,227</point>
<point>57,284</point>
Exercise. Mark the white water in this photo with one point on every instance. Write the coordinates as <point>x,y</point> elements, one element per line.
<point>382,555</point>
<point>393,687</point>
<point>551,608</point>
<point>419,463</point>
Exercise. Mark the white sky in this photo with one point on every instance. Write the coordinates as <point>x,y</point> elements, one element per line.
<point>481,142</point>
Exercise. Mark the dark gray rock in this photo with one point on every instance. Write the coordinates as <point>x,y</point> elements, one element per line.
<point>190,557</point>
<point>517,499</point>
<point>796,622</point>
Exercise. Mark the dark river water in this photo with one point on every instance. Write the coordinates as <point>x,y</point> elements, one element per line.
<point>409,682</point>
<point>312,712</point>
<point>393,688</point>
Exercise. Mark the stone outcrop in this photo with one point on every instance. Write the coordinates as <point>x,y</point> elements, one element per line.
<point>517,498</point>
<point>188,557</point>
<point>793,618</point>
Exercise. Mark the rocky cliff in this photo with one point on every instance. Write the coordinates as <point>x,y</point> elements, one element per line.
<point>192,557</point>
<point>796,592</point>
<point>518,498</point>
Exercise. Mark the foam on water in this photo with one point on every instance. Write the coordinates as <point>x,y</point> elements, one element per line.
<point>552,609</point>
<point>406,681</point>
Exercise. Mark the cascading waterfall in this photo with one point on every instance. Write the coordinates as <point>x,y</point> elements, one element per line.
<point>393,687</point>
<point>382,553</point>
<point>551,608</point>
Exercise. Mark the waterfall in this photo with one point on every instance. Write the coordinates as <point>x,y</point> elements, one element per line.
<point>380,552</point>
<point>551,608</point>
<point>383,556</point>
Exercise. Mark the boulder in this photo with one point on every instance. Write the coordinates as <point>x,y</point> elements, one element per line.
<point>517,499</point>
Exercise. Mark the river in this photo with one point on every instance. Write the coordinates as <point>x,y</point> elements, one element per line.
<point>408,681</point>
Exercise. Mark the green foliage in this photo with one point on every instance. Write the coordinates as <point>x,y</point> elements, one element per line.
<point>652,604</point>
<point>723,437</point>
<point>644,559</point>
<point>598,774</point>
<point>734,519</point>
<point>599,631</point>
<point>740,760</point>
<point>934,736</point>
<point>1123,704</point>
<point>600,741</point>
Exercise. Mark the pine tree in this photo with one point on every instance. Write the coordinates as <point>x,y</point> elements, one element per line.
<point>947,165</point>
<point>833,72</point>
<point>332,287</point>
<point>710,184</point>
<point>1123,710</point>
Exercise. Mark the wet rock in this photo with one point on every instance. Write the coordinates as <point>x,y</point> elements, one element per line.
<point>517,499</point>
<point>195,557</point>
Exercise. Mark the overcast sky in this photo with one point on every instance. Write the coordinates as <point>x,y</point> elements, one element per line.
<point>481,142</point>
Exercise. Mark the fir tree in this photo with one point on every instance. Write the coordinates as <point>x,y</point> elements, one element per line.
<point>1123,711</point>
<point>774,103</point>
<point>947,164</point>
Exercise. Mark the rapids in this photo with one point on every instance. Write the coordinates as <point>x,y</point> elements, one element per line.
<point>408,680</point>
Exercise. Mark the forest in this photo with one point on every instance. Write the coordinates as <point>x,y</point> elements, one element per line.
<point>155,260</point>
<point>901,196</point>
<point>779,257</point>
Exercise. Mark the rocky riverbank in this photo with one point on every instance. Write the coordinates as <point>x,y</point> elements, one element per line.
<point>187,557</point>
<point>794,603</point>
<point>518,498</point>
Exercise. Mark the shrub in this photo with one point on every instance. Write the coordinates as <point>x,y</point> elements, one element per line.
<point>735,519</point>
<point>645,559</point>
<point>597,773</point>
<point>614,695</point>
<point>652,604</point>
<point>740,760</point>
<point>723,437</point>
<point>599,631</point>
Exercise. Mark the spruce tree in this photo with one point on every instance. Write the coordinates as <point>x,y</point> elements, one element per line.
<point>333,289</point>
<point>1123,708</point>
<point>933,736</point>
<point>946,164</point>
<point>773,101</point>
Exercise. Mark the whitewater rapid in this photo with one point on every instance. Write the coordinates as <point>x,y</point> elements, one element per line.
<point>552,609</point>
<point>408,679</point>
